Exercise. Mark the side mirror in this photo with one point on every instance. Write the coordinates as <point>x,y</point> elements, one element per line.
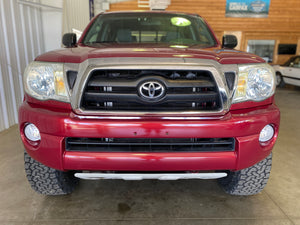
<point>69,40</point>
<point>291,64</point>
<point>229,41</point>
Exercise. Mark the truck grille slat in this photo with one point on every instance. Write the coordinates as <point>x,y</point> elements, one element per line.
<point>100,82</point>
<point>150,144</point>
<point>114,97</point>
<point>120,90</point>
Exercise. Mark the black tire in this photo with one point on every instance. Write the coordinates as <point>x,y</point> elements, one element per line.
<point>46,180</point>
<point>249,181</point>
<point>279,80</point>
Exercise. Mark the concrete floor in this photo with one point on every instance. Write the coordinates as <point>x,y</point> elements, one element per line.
<point>159,202</point>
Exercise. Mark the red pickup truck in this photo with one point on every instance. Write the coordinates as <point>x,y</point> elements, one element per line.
<point>148,95</point>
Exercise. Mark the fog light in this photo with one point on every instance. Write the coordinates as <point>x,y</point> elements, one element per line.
<point>266,133</point>
<point>32,132</point>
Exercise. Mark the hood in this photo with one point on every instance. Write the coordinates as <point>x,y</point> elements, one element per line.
<point>81,53</point>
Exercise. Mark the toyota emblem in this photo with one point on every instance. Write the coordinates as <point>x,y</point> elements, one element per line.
<point>152,90</point>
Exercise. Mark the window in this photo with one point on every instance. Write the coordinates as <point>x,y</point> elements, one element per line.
<point>262,48</point>
<point>143,28</point>
<point>287,49</point>
<point>296,62</point>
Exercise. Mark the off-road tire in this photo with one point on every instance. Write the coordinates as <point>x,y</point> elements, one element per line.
<point>279,80</point>
<point>46,180</point>
<point>249,181</point>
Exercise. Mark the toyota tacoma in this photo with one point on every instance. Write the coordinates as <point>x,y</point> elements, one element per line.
<point>148,95</point>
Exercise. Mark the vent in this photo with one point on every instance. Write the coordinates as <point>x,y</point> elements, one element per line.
<point>71,77</point>
<point>230,79</point>
<point>150,144</point>
<point>118,90</point>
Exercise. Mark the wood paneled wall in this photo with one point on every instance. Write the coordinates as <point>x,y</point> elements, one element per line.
<point>282,24</point>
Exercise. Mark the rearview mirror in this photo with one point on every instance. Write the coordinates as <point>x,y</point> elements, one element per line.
<point>69,40</point>
<point>229,41</point>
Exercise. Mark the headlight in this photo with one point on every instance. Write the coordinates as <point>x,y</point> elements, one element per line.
<point>255,83</point>
<point>45,81</point>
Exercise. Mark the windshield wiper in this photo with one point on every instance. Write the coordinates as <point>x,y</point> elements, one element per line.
<point>98,42</point>
<point>105,42</point>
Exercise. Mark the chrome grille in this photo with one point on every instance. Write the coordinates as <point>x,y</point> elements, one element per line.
<point>118,90</point>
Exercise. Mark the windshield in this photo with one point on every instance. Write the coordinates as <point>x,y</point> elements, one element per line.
<point>154,28</point>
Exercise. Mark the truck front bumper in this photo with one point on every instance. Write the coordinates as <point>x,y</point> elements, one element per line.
<point>57,124</point>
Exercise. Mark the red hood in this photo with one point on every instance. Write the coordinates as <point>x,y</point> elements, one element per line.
<point>81,53</point>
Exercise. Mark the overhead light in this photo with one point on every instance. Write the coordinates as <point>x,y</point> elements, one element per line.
<point>180,21</point>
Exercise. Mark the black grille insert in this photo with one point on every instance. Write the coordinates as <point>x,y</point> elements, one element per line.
<point>230,79</point>
<point>118,90</point>
<point>150,144</point>
<point>71,77</point>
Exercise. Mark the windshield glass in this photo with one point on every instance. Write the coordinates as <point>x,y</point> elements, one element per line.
<point>154,28</point>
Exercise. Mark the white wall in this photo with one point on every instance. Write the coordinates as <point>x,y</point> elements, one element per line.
<point>21,42</point>
<point>52,29</point>
<point>75,15</point>
<point>52,24</point>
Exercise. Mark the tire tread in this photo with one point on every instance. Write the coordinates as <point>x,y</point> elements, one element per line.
<point>249,181</point>
<point>46,180</point>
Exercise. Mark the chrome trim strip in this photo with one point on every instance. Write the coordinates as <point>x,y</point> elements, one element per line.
<point>151,176</point>
<point>138,118</point>
<point>90,65</point>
